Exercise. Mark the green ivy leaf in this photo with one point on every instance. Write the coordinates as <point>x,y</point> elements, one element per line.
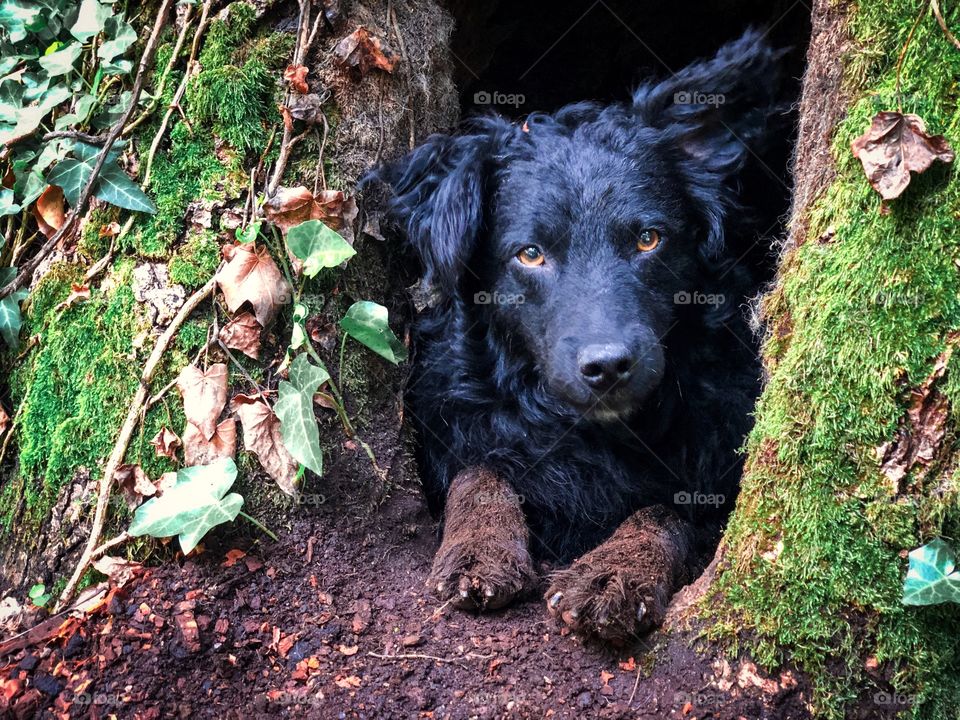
<point>11,100</point>
<point>91,19</point>
<point>7,205</point>
<point>10,310</point>
<point>194,505</point>
<point>366,322</point>
<point>61,62</point>
<point>17,17</point>
<point>82,108</point>
<point>38,595</point>
<point>248,234</point>
<point>932,576</point>
<point>294,407</point>
<point>122,36</point>
<point>298,335</point>
<point>318,246</point>
<point>113,185</point>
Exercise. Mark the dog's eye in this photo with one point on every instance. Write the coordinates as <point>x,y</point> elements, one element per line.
<point>531,256</point>
<point>648,240</point>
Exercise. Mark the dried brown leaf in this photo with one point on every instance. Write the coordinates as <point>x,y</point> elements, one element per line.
<point>894,146</point>
<point>48,210</point>
<point>252,276</point>
<point>166,443</point>
<point>134,484</point>
<point>261,435</point>
<point>77,293</point>
<point>292,206</point>
<point>296,77</point>
<point>360,52</point>
<point>198,450</point>
<point>204,395</point>
<point>243,334</point>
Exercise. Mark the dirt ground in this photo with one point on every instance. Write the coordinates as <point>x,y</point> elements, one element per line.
<point>332,621</point>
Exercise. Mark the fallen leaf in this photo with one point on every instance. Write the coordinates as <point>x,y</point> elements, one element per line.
<point>292,206</point>
<point>233,556</point>
<point>251,275</point>
<point>166,443</point>
<point>48,210</point>
<point>134,484</point>
<point>348,650</point>
<point>119,570</point>
<point>308,108</point>
<point>347,683</point>
<point>360,52</point>
<point>243,334</point>
<point>110,230</point>
<point>77,293</point>
<point>199,450</point>
<point>894,146</point>
<point>296,76</point>
<point>287,117</point>
<point>204,395</point>
<point>606,677</point>
<point>261,436</point>
<point>629,665</point>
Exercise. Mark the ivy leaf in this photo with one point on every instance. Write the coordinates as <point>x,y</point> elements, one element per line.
<point>18,17</point>
<point>113,185</point>
<point>28,120</point>
<point>82,108</point>
<point>298,335</point>
<point>7,205</point>
<point>318,246</point>
<point>61,62</point>
<point>294,407</point>
<point>194,505</point>
<point>10,310</point>
<point>91,19</point>
<point>122,36</point>
<point>932,576</point>
<point>248,234</point>
<point>11,100</point>
<point>366,322</point>
<point>38,595</point>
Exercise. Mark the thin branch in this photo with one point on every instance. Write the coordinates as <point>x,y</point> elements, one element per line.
<point>126,433</point>
<point>76,135</point>
<point>935,4</point>
<point>23,276</point>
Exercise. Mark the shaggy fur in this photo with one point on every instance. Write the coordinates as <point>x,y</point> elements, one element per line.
<point>499,369</point>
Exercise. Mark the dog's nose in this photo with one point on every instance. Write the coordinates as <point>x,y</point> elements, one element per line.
<point>604,366</point>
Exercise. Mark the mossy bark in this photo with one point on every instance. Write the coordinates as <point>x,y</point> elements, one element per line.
<point>71,386</point>
<point>865,303</point>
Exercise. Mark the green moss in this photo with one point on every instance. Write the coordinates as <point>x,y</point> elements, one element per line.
<point>819,531</point>
<point>235,101</point>
<point>93,244</point>
<point>195,262</point>
<point>74,388</point>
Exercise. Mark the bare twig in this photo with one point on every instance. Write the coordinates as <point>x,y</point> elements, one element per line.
<point>903,52</point>
<point>126,433</point>
<point>320,175</point>
<point>146,61</point>
<point>76,135</point>
<point>110,544</point>
<point>935,4</point>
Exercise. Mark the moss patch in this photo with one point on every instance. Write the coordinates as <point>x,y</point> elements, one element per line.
<point>818,534</point>
<point>195,262</point>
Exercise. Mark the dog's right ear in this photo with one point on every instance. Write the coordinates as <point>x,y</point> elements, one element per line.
<point>438,193</point>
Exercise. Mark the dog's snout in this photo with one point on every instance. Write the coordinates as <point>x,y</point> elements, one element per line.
<point>604,366</point>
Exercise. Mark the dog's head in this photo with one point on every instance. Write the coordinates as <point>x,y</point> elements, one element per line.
<point>578,236</point>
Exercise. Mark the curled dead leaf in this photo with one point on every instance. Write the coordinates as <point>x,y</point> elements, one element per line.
<point>261,436</point>
<point>77,293</point>
<point>199,450</point>
<point>243,334</point>
<point>251,276</point>
<point>204,396</point>
<point>48,210</point>
<point>119,570</point>
<point>110,230</point>
<point>296,77</point>
<point>134,484</point>
<point>292,206</point>
<point>166,443</point>
<point>360,52</point>
<point>894,146</point>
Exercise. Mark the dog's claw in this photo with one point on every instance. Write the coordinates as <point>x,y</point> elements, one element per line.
<point>641,611</point>
<point>555,600</point>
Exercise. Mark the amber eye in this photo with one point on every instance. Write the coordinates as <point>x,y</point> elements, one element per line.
<point>648,240</point>
<point>531,256</point>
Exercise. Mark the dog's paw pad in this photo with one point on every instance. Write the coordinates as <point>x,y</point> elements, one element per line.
<point>480,577</point>
<point>610,605</point>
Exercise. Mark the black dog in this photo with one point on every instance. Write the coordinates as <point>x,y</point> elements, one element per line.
<point>585,377</point>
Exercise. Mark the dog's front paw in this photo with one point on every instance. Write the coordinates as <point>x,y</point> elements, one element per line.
<point>481,574</point>
<point>614,604</point>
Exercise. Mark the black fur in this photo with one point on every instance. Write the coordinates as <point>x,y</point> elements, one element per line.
<point>499,383</point>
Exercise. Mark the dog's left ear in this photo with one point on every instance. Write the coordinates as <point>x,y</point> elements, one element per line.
<point>717,111</point>
<point>438,193</point>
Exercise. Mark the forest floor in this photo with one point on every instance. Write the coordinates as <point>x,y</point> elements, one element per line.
<point>333,621</point>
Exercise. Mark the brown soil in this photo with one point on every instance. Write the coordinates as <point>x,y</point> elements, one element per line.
<point>333,621</point>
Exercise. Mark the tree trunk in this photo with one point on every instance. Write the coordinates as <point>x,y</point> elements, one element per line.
<point>852,462</point>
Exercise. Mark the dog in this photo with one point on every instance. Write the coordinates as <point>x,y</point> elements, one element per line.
<point>584,378</point>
